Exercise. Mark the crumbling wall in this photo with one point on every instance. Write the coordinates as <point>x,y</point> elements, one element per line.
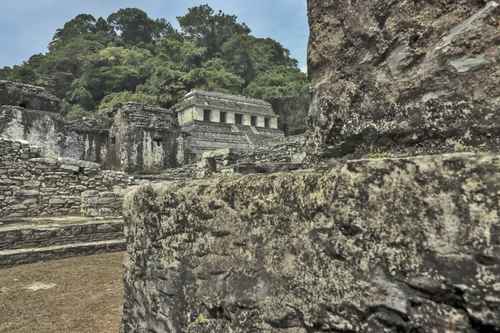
<point>53,135</point>
<point>32,114</point>
<point>32,185</point>
<point>387,245</point>
<point>404,77</point>
<point>369,245</point>
<point>144,138</point>
<point>28,96</point>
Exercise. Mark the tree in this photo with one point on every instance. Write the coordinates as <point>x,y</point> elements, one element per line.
<point>210,30</point>
<point>236,55</point>
<point>80,95</point>
<point>80,25</point>
<point>115,69</point>
<point>213,76</point>
<point>134,27</point>
<point>116,99</point>
<point>184,54</point>
<point>96,62</point>
<point>280,81</point>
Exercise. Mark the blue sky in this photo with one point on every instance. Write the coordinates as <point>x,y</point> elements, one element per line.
<point>27,26</point>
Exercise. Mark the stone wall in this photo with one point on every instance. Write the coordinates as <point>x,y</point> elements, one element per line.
<point>292,112</point>
<point>144,138</point>
<point>384,245</point>
<point>32,185</point>
<point>404,77</point>
<point>28,96</point>
<point>54,135</point>
<point>202,137</point>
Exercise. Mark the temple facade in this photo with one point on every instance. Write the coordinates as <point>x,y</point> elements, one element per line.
<point>212,120</point>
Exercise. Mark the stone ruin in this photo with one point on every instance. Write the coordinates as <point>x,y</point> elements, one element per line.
<point>393,223</point>
<point>62,182</point>
<point>214,121</point>
<point>54,208</point>
<point>134,138</point>
<point>137,138</point>
<point>384,218</point>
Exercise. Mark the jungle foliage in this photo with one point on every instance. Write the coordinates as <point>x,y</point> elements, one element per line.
<point>95,63</point>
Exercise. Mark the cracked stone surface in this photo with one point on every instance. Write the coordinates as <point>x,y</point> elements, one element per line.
<point>382,245</point>
<point>404,77</point>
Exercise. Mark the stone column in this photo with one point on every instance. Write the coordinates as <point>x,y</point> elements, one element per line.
<point>230,118</point>
<point>246,120</point>
<point>274,122</point>
<point>215,116</point>
<point>260,121</point>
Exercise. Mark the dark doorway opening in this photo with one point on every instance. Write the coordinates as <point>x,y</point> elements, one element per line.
<point>207,115</point>
<point>253,121</point>
<point>238,119</point>
<point>223,117</point>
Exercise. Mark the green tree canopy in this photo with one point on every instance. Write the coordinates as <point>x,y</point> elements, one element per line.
<point>210,30</point>
<point>134,27</point>
<point>94,63</point>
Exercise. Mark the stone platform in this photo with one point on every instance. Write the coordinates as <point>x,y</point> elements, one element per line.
<point>375,245</point>
<point>31,240</point>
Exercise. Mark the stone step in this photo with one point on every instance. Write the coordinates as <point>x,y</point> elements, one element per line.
<point>33,233</point>
<point>10,258</point>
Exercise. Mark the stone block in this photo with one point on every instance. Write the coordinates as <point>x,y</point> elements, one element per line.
<point>57,201</point>
<point>380,245</point>
<point>69,167</point>
<point>388,78</point>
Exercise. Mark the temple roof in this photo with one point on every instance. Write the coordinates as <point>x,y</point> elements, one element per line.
<point>219,100</point>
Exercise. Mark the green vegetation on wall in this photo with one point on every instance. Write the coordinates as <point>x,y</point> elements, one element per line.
<point>95,64</point>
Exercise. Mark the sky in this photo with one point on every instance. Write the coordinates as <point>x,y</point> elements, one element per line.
<point>27,26</point>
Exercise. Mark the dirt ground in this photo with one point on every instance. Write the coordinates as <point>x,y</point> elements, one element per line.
<point>76,295</point>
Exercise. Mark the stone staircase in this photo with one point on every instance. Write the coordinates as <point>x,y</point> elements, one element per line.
<point>30,240</point>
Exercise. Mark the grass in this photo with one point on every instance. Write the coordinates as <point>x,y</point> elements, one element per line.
<point>84,295</point>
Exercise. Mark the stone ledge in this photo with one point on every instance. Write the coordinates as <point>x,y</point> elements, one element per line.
<point>415,242</point>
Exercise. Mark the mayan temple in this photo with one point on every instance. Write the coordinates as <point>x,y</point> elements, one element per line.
<point>162,178</point>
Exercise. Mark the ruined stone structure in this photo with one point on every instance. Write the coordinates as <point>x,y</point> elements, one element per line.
<point>28,97</point>
<point>144,138</point>
<point>292,113</point>
<point>380,244</point>
<point>215,120</point>
<point>366,244</point>
<point>136,138</point>
<point>32,185</point>
<point>29,113</point>
<point>35,190</point>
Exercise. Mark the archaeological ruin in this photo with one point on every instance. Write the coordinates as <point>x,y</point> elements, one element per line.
<point>216,121</point>
<point>392,222</point>
<point>383,217</point>
<point>62,182</point>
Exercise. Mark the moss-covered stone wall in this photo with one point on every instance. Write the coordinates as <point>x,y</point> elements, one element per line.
<point>382,245</point>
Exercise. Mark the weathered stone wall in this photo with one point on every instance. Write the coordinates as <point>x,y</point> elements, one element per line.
<point>31,185</point>
<point>368,245</point>
<point>203,137</point>
<point>27,96</point>
<point>387,245</point>
<point>404,77</point>
<point>56,137</point>
<point>144,138</point>
<point>293,113</point>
